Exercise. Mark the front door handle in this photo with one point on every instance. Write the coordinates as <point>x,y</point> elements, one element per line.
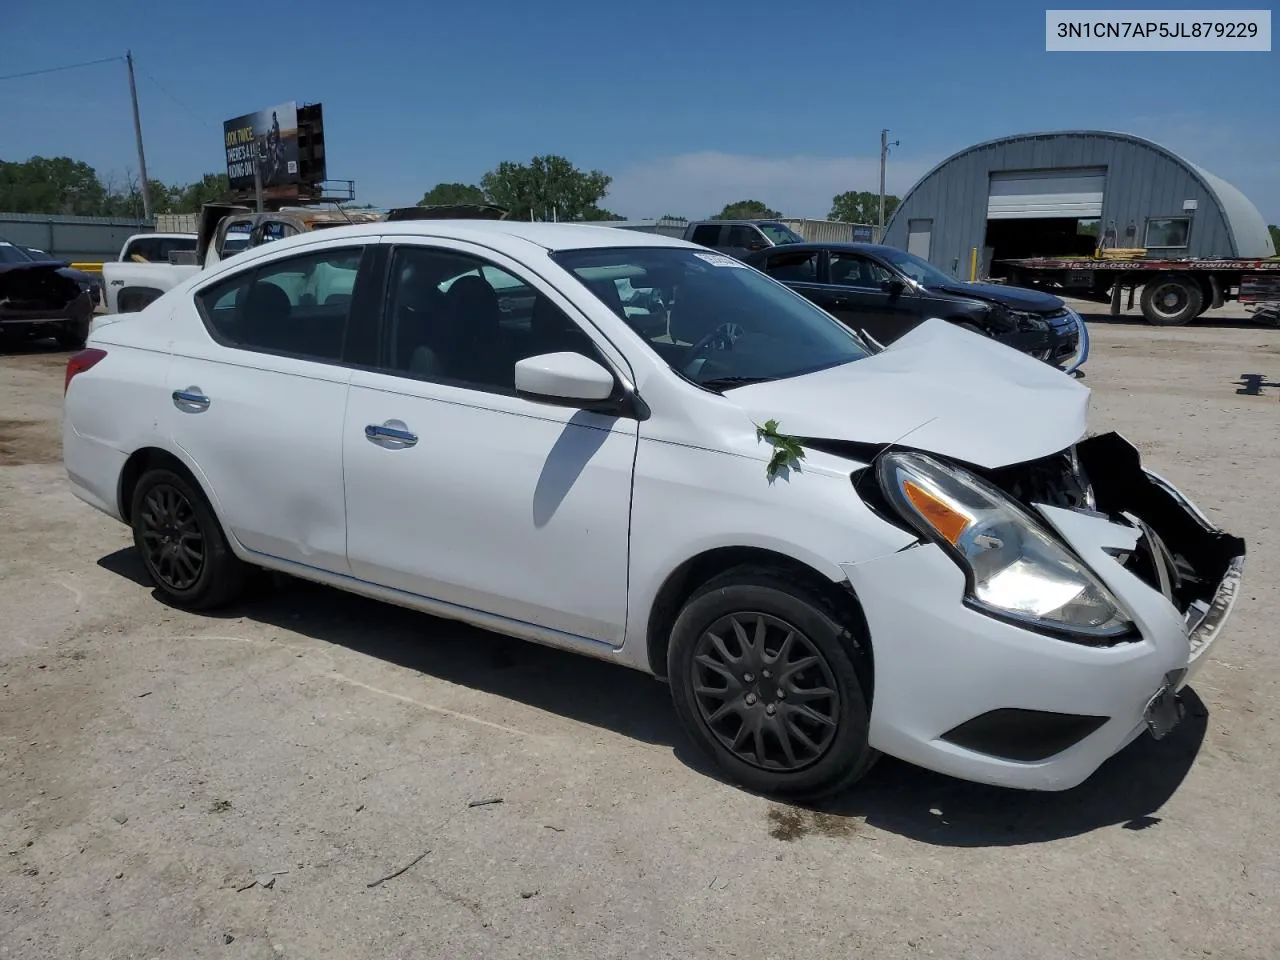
<point>393,434</point>
<point>190,400</point>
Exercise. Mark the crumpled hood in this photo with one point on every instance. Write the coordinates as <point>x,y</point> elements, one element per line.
<point>1016,298</point>
<point>940,388</point>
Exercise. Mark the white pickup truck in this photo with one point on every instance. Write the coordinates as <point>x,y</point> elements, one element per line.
<point>147,266</point>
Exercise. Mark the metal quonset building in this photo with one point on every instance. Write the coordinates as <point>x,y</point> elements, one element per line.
<point>1057,194</point>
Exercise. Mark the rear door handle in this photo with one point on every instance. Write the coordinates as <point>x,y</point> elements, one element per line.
<point>393,434</point>
<point>190,400</point>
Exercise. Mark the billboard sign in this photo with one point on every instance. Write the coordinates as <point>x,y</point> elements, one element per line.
<point>267,138</point>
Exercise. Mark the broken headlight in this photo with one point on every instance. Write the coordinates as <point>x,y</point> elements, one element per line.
<point>1014,568</point>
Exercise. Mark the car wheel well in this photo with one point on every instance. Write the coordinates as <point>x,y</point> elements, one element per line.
<point>139,462</point>
<point>143,297</point>
<point>693,573</point>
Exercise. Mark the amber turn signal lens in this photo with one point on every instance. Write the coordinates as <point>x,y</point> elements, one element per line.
<point>950,523</point>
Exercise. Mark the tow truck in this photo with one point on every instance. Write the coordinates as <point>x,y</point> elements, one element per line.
<point>1174,292</point>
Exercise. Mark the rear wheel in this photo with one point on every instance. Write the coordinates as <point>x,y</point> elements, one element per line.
<point>1172,300</point>
<point>765,678</point>
<point>182,544</point>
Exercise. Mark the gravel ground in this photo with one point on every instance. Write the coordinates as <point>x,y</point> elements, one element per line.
<point>234,786</point>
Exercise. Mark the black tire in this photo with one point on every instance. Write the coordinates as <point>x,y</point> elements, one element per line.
<point>1172,300</point>
<point>182,544</point>
<point>765,764</point>
<point>73,334</point>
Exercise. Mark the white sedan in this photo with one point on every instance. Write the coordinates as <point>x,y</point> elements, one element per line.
<point>634,448</point>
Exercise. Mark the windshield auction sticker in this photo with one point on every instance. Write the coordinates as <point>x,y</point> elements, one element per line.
<point>720,260</point>
<point>1246,31</point>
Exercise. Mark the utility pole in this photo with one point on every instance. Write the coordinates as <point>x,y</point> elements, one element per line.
<point>137,135</point>
<point>884,153</point>
<point>257,175</point>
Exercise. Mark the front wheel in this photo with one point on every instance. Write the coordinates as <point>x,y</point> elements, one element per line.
<point>182,544</point>
<point>765,679</point>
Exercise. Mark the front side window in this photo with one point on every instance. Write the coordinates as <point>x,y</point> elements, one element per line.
<point>461,320</point>
<point>744,237</point>
<point>721,324</point>
<point>298,306</point>
<point>1168,232</point>
<point>855,270</point>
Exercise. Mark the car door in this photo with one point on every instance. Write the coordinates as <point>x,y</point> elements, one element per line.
<point>461,492</point>
<point>869,297</point>
<point>258,403</point>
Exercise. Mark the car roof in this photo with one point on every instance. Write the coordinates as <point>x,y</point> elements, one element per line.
<point>493,233</point>
<point>873,248</point>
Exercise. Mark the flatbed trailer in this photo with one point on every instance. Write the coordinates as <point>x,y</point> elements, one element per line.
<point>1174,292</point>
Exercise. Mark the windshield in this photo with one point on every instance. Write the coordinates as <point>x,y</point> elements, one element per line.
<point>713,319</point>
<point>779,234</point>
<point>921,271</point>
<point>11,254</point>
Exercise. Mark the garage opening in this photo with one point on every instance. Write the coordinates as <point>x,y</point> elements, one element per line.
<point>1042,213</point>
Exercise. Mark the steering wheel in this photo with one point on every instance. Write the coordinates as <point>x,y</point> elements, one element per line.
<point>726,334</point>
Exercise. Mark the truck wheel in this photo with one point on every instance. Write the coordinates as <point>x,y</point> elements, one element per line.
<point>1172,300</point>
<point>72,334</point>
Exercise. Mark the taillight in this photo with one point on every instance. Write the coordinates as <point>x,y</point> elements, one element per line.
<point>80,362</point>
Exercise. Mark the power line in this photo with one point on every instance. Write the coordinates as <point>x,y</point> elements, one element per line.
<point>165,90</point>
<point>70,66</point>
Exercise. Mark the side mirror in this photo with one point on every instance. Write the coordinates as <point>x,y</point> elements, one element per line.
<point>893,286</point>
<point>568,379</point>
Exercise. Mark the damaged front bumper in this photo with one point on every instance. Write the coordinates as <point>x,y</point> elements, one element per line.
<point>962,693</point>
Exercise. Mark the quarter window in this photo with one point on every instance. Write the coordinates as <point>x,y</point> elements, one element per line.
<point>1168,232</point>
<point>461,320</point>
<point>299,306</point>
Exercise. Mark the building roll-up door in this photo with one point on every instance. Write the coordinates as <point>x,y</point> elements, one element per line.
<point>1037,194</point>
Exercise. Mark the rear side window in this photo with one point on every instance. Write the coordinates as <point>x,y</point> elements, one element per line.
<point>798,267</point>
<point>708,234</point>
<point>157,249</point>
<point>299,306</point>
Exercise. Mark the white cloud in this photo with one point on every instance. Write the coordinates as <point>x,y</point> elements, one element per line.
<point>700,184</point>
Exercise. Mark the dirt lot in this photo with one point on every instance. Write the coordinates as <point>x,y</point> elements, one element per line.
<point>189,786</point>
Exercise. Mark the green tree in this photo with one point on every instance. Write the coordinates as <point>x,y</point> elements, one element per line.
<point>211,188</point>
<point>547,187</point>
<point>451,193</point>
<point>746,210</point>
<point>861,206</point>
<point>50,185</point>
<point>1275,236</point>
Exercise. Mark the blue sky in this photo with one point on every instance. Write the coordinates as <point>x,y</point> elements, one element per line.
<point>686,105</point>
